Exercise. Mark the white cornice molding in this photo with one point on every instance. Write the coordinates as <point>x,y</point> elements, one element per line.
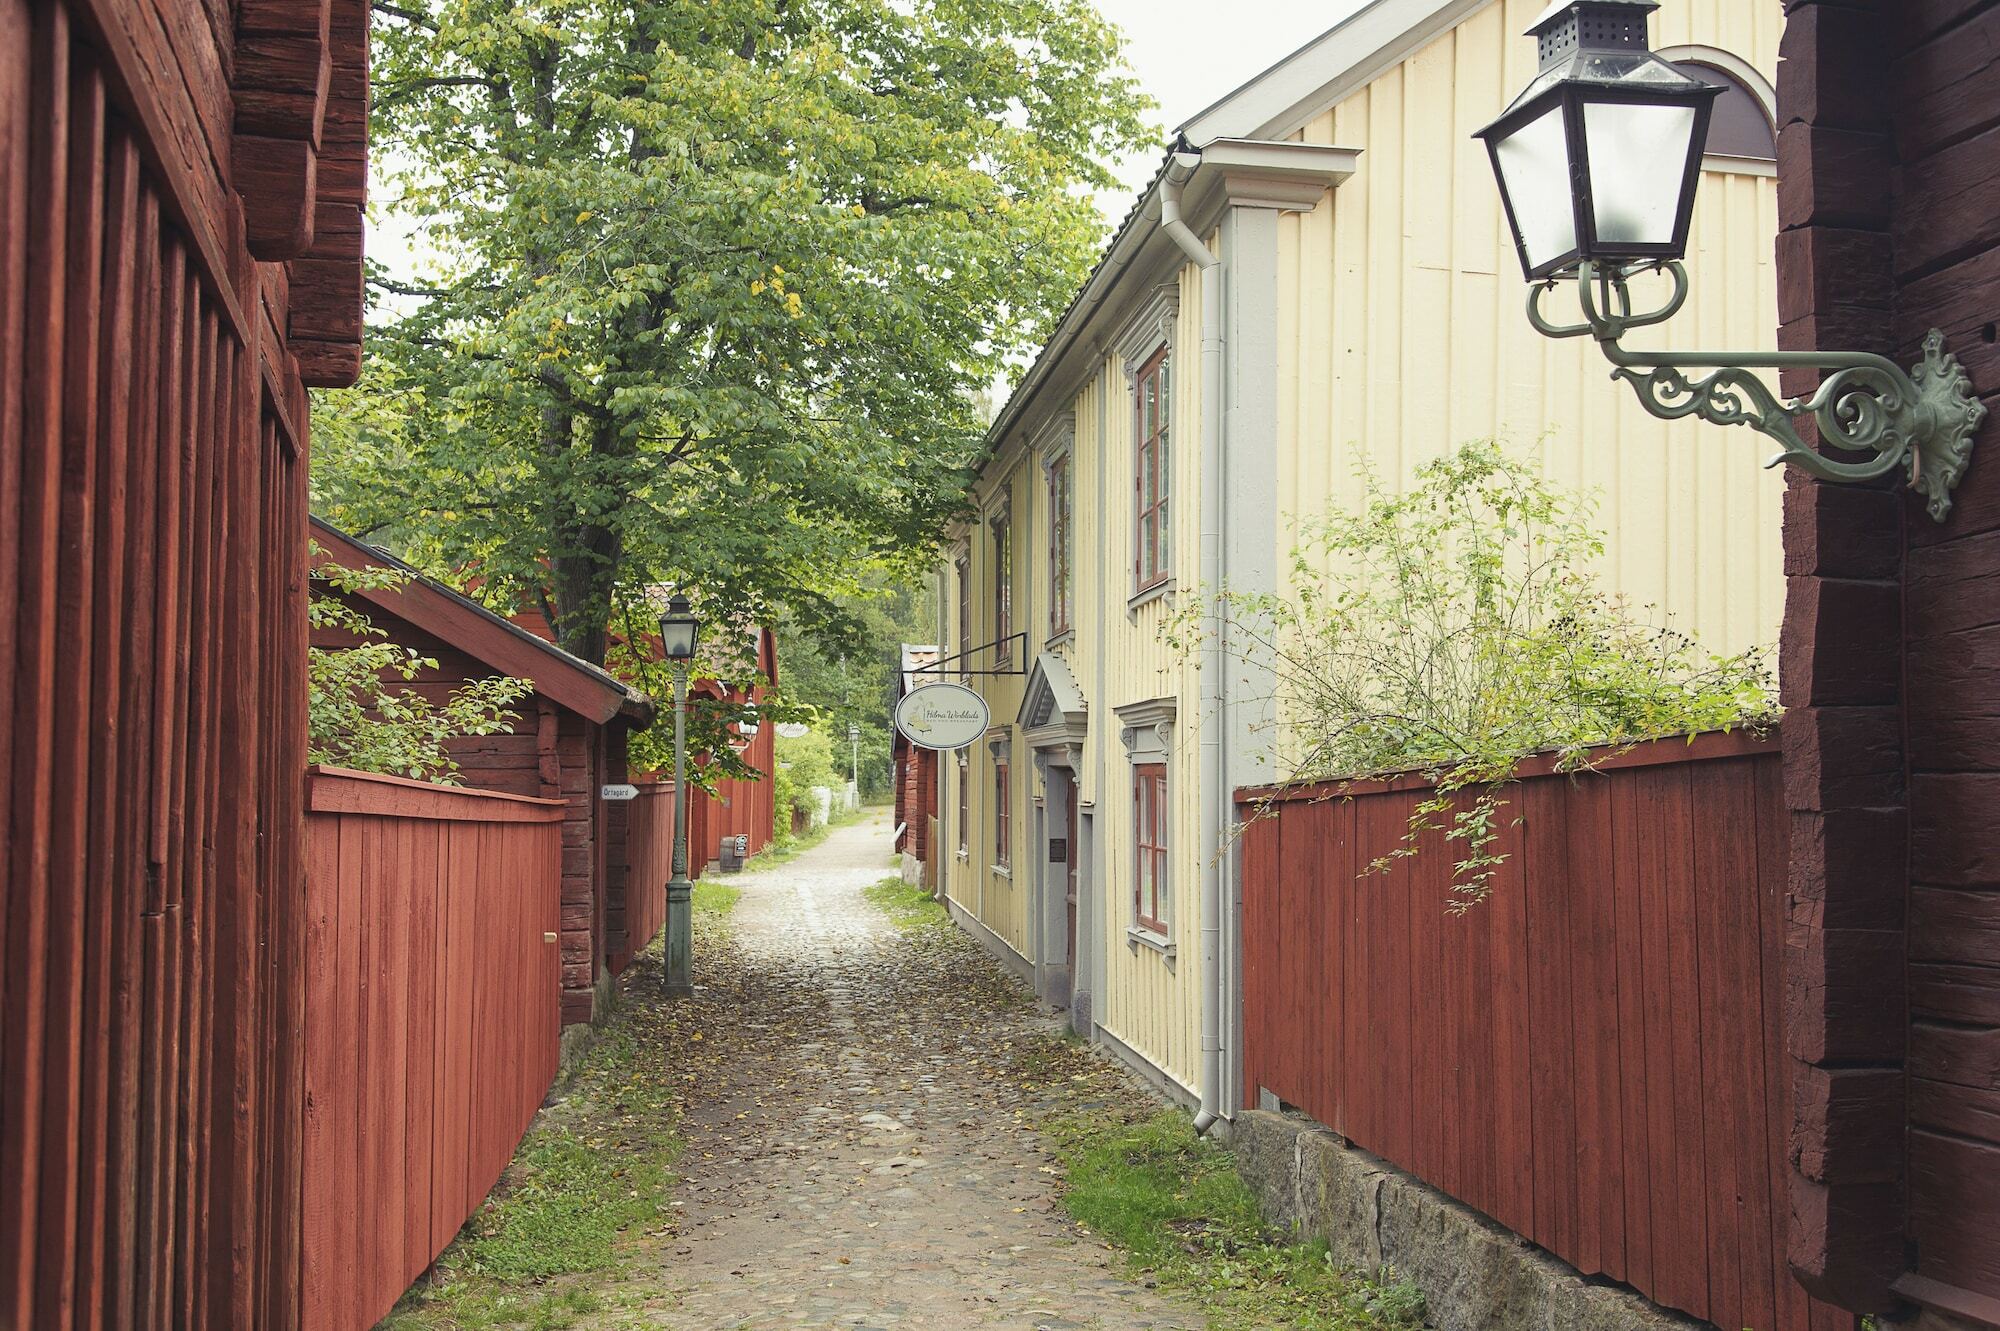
<point>1054,437</point>
<point>1150,330</point>
<point>1283,174</point>
<point>1324,71</point>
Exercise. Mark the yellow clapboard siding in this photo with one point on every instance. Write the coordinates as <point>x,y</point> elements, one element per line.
<point>1400,334</point>
<point>1429,347</point>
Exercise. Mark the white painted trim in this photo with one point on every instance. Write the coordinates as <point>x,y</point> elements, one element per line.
<point>1733,65</point>
<point>1149,332</point>
<point>1154,1075</point>
<point>1347,57</point>
<point>1740,166</point>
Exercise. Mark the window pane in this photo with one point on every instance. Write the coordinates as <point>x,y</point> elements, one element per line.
<point>1164,412</point>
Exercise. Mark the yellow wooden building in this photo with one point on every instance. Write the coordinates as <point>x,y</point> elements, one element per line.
<point>1320,274</point>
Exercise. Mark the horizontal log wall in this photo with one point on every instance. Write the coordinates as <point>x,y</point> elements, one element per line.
<point>1889,162</point>
<point>432,1022</point>
<point>1592,1056</point>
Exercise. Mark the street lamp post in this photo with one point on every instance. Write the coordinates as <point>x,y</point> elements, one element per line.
<point>678,629</point>
<point>854,759</point>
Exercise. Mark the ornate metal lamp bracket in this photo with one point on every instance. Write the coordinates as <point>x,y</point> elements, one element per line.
<point>1866,408</point>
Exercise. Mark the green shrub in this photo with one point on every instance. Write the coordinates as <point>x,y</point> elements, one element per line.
<point>1458,627</point>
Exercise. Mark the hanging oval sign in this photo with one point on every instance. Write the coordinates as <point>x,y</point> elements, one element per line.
<point>942,716</point>
<point>793,730</point>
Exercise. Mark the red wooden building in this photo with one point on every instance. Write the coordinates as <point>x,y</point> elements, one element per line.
<point>569,743</point>
<point>916,776</point>
<point>181,189</point>
<point>1889,189</point>
<point>740,807</point>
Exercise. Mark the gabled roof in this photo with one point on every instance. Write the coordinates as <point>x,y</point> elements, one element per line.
<point>1268,109</point>
<point>1053,709</point>
<point>1360,48</point>
<point>569,681</point>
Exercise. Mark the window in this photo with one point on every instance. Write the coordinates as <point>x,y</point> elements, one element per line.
<point>1154,390</point>
<point>1003,813</point>
<point>1150,885</point>
<point>1003,586</point>
<point>1059,576</point>
<point>1741,126</point>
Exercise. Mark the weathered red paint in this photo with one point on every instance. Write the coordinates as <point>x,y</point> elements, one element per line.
<point>152,643</point>
<point>432,1019</point>
<point>1591,1056</point>
<point>568,743</point>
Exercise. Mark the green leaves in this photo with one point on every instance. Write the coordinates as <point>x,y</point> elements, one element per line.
<point>356,717</point>
<point>1457,626</point>
<point>715,285</point>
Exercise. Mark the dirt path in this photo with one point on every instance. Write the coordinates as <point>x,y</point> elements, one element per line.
<point>859,1150</point>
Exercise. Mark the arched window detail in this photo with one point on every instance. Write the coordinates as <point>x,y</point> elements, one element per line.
<point>1744,127</point>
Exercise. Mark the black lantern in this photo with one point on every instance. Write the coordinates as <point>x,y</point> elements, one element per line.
<point>747,725</point>
<point>1598,160</point>
<point>678,629</point>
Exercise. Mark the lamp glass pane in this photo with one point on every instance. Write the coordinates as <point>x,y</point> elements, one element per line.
<point>677,638</point>
<point>1534,165</point>
<point>1638,166</point>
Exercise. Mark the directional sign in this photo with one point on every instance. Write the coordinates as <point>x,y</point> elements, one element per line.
<point>618,792</point>
<point>942,716</point>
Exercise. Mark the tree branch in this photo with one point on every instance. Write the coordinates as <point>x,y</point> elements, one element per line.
<point>407,15</point>
<point>404,91</point>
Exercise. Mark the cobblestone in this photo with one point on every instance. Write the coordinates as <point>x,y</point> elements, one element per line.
<point>859,1155</point>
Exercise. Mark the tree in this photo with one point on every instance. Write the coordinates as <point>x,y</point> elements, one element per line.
<point>717,284</point>
<point>855,682</point>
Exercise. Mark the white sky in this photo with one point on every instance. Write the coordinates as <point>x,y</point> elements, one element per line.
<point>1187,54</point>
<point>1191,53</point>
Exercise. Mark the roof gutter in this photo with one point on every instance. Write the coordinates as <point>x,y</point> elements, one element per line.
<point>1214,670</point>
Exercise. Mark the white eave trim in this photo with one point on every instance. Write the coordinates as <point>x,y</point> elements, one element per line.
<point>1323,72</point>
<point>1283,174</point>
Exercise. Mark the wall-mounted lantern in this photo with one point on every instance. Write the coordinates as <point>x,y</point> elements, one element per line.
<point>1598,162</point>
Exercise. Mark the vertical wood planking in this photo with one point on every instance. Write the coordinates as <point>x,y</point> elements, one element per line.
<point>432,1032</point>
<point>32,749</point>
<point>1587,1055</point>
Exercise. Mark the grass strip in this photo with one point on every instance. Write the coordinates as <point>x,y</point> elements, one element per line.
<point>1174,1204</point>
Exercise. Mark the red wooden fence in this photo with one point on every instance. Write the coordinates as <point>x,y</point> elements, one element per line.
<point>1592,1057</point>
<point>431,1021</point>
<point>641,909</point>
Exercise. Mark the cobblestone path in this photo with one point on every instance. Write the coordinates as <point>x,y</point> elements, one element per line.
<point>858,1155</point>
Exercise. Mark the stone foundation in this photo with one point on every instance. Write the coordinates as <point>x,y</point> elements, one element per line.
<point>1475,1275</point>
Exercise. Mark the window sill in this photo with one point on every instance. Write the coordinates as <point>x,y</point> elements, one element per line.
<point>1001,870</point>
<point>1137,937</point>
<point>1058,639</point>
<point>1159,591</point>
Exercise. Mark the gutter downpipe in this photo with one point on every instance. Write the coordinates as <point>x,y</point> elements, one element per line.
<point>1213,668</point>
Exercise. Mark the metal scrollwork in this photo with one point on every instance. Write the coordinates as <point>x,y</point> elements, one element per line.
<point>1866,408</point>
